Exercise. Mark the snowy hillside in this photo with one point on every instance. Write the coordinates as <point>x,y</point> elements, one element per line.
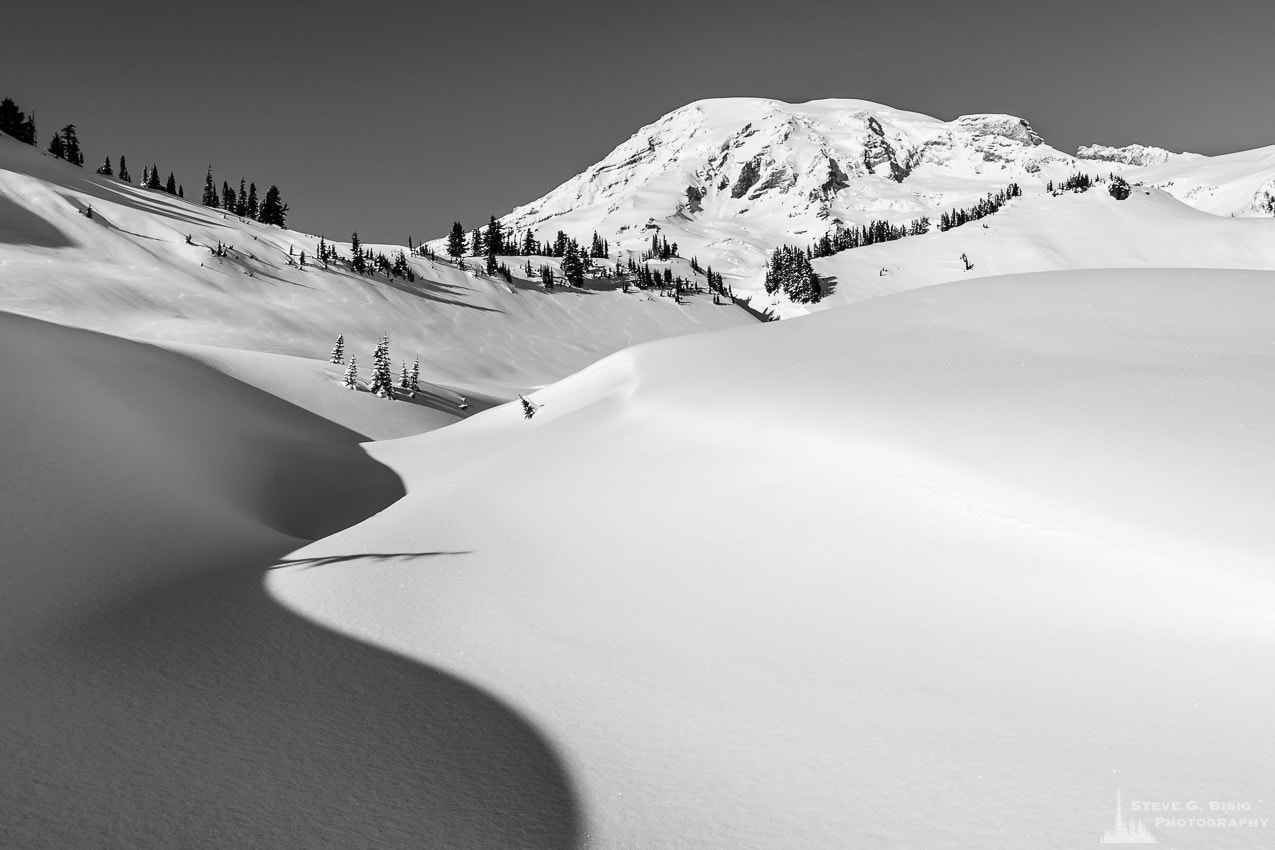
<point>145,266</point>
<point>1091,230</point>
<point>1235,184</point>
<point>940,569</point>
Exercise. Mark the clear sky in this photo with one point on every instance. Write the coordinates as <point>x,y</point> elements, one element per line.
<point>397,118</point>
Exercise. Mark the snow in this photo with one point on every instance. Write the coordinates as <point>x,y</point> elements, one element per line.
<point>1229,184</point>
<point>128,271</point>
<point>948,565</point>
<point>938,569</point>
<point>843,161</point>
<point>1039,232</point>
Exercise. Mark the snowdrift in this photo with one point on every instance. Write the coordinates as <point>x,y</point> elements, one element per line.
<point>152,694</point>
<point>947,568</point>
<point>1036,233</point>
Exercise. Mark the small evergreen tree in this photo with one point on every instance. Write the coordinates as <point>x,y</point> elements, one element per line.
<point>171,186</point>
<point>456,241</point>
<point>352,374</point>
<point>414,380</point>
<point>55,146</point>
<point>210,190</point>
<point>338,350</point>
<point>153,181</point>
<point>105,168</point>
<point>254,206</point>
<point>357,261</point>
<point>273,209</point>
<point>1120,189</point>
<point>124,175</point>
<point>572,265</point>
<point>382,381</point>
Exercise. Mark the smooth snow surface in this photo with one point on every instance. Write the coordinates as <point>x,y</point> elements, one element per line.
<point>151,693</point>
<point>943,569</point>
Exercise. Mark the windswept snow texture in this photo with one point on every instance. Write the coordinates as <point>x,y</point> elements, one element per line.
<point>943,569</point>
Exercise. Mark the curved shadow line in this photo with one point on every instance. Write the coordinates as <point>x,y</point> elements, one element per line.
<point>197,711</point>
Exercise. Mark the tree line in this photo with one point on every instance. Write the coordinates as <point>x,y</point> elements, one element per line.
<point>844,238</point>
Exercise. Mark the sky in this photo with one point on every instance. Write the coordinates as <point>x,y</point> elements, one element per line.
<point>395,119</point>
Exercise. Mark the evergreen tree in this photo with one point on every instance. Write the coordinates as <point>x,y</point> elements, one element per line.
<point>352,374</point>
<point>254,207</point>
<point>404,378</point>
<point>495,237</point>
<point>789,270</point>
<point>181,191</point>
<point>171,186</point>
<point>105,168</point>
<point>382,381</point>
<point>456,241</point>
<point>572,265</point>
<point>28,131</point>
<point>273,210</point>
<point>11,118</point>
<point>338,350</point>
<point>153,181</point>
<point>64,145</point>
<point>124,175</point>
<point>227,197</point>
<point>241,200</point>
<point>210,190</point>
<point>357,261</point>
<point>477,246</point>
<point>414,380</point>
<point>1120,189</point>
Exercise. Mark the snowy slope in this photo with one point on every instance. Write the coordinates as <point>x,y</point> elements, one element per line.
<point>1236,184</point>
<point>151,693</point>
<point>946,568</point>
<point>129,270</point>
<point>1039,232</point>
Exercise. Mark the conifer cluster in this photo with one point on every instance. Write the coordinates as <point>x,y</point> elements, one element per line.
<point>789,270</point>
<point>843,238</point>
<point>245,203</point>
<point>1075,183</point>
<point>65,145</point>
<point>14,122</point>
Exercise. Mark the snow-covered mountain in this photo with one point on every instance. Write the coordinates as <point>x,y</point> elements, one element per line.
<point>730,179</point>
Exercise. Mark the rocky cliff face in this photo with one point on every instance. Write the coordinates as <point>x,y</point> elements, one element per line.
<point>1136,155</point>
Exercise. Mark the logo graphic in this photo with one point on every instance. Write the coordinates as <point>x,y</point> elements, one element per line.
<point>1126,831</point>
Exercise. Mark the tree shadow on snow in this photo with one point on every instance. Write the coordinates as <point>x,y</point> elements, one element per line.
<point>20,226</point>
<point>374,557</point>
